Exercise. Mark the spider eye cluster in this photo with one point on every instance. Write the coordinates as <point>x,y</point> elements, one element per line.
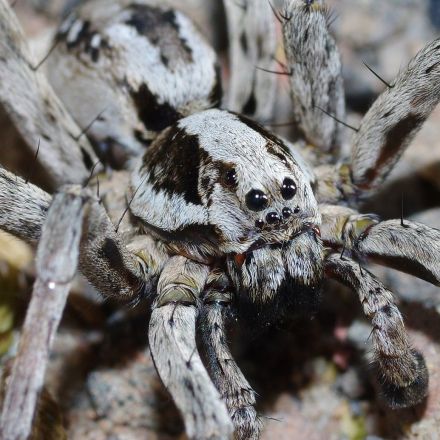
<point>257,200</point>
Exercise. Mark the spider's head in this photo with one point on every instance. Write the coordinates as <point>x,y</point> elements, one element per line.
<point>219,184</point>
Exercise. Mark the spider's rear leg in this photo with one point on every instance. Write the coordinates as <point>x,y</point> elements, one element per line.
<point>314,70</point>
<point>57,259</point>
<point>36,112</point>
<point>172,338</point>
<point>386,130</point>
<point>225,373</point>
<point>403,373</point>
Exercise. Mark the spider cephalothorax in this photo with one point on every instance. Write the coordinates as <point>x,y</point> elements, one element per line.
<point>224,218</point>
<point>217,185</point>
<point>225,179</point>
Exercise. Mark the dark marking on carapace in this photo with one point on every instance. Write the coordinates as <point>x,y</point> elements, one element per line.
<point>173,162</point>
<point>205,182</point>
<point>223,169</point>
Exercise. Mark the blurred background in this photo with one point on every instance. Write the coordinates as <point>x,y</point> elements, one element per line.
<point>312,376</point>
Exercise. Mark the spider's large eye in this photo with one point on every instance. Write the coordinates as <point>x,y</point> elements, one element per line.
<point>288,190</point>
<point>256,200</point>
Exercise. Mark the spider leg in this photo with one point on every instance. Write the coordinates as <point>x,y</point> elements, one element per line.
<point>225,373</point>
<point>314,70</point>
<point>35,110</point>
<point>395,118</point>
<point>252,48</point>
<point>172,338</point>
<point>409,246</point>
<point>23,207</point>
<point>404,376</point>
<point>386,130</point>
<point>341,225</point>
<point>404,245</point>
<point>104,259</point>
<point>57,258</point>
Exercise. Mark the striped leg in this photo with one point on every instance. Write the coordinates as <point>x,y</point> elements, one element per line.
<point>314,70</point>
<point>404,245</point>
<point>403,373</point>
<point>172,338</point>
<point>252,48</point>
<point>225,373</point>
<point>29,101</point>
<point>386,130</point>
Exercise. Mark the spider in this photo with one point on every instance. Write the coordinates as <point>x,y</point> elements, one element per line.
<point>220,217</point>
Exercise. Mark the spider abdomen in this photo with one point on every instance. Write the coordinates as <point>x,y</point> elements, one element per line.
<point>133,69</point>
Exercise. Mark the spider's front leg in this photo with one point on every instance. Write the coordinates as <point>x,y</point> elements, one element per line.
<point>57,259</point>
<point>386,130</point>
<point>122,274</point>
<point>407,246</point>
<point>72,228</point>
<point>225,373</point>
<point>172,338</point>
<point>404,377</point>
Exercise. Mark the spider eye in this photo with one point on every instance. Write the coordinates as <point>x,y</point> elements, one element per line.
<point>259,224</point>
<point>282,158</point>
<point>288,190</point>
<point>287,212</point>
<point>231,177</point>
<point>256,200</point>
<point>272,217</point>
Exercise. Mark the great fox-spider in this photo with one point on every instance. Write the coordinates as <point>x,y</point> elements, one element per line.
<point>222,214</point>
